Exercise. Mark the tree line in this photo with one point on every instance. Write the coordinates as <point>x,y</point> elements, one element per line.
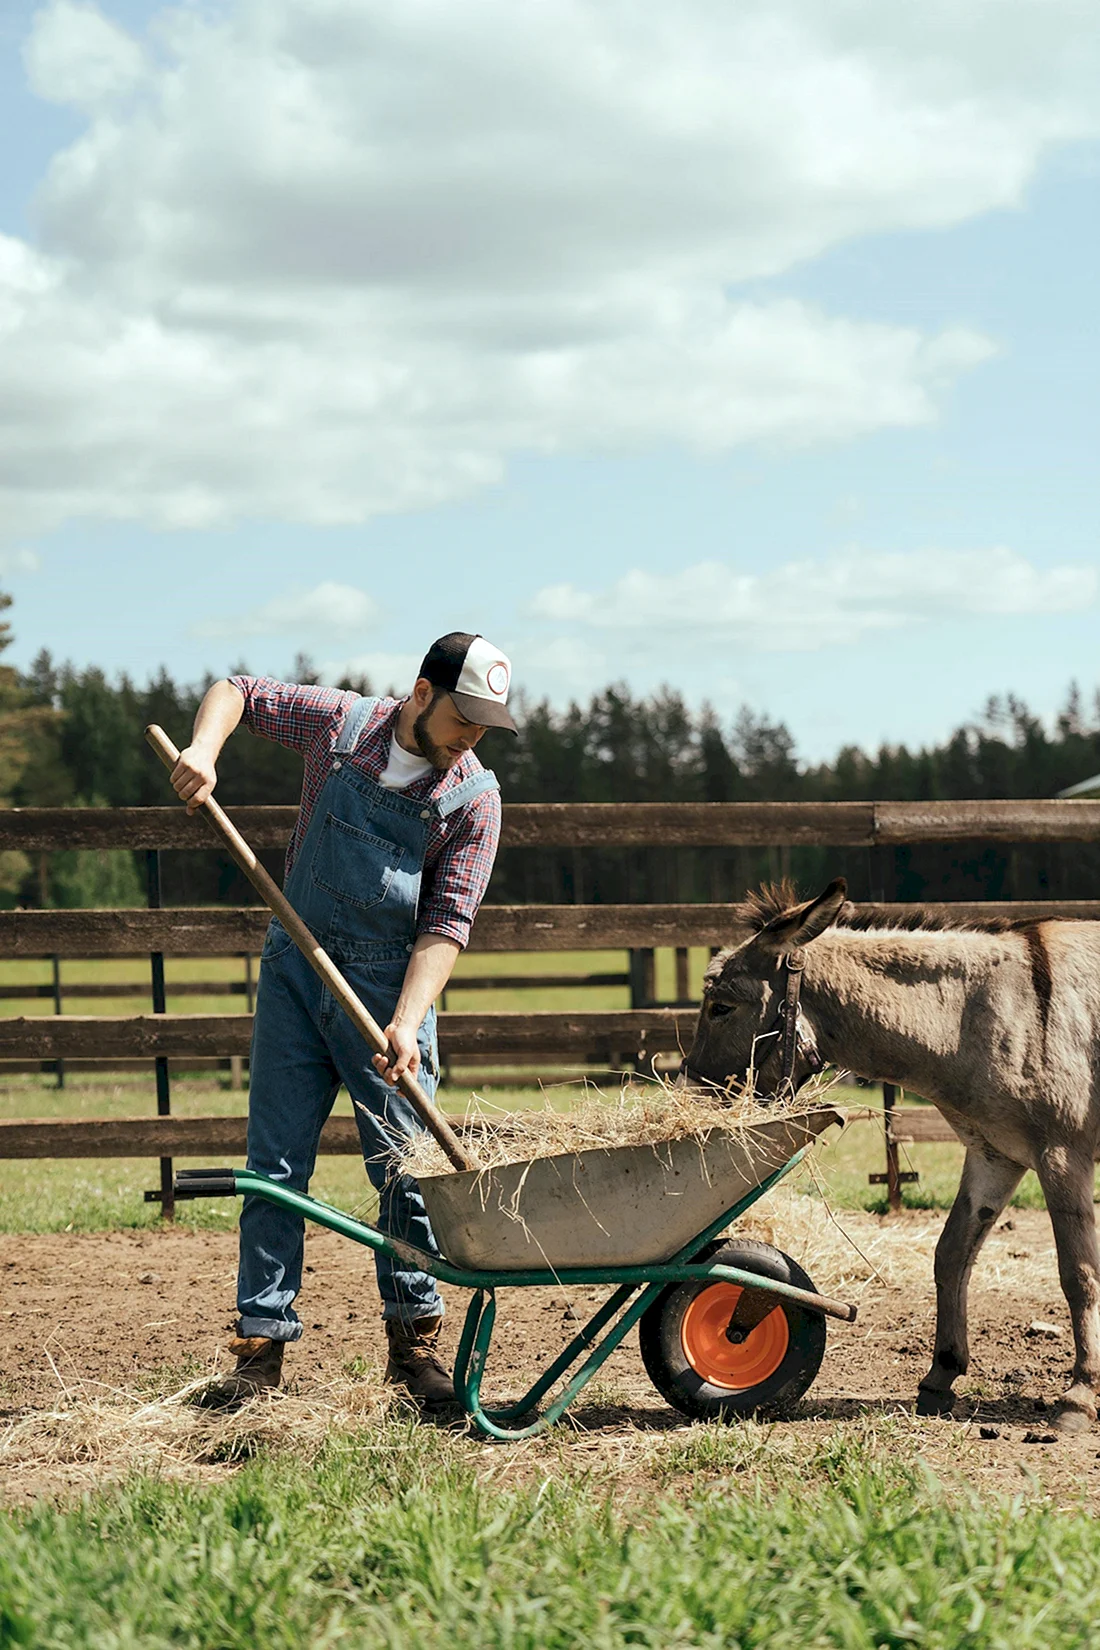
<point>72,736</point>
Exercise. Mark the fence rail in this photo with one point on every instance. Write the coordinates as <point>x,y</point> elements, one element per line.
<point>212,1136</point>
<point>606,825</point>
<point>193,931</point>
<point>636,1032</point>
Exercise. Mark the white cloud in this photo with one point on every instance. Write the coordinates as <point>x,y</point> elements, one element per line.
<point>805,605</point>
<point>75,55</point>
<point>322,261</point>
<point>327,609</point>
<point>20,560</point>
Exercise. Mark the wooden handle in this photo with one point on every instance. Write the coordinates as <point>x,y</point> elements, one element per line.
<point>318,959</point>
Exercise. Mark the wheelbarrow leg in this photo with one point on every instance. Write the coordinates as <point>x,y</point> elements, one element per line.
<point>568,1357</point>
<point>489,1421</point>
<point>466,1344</point>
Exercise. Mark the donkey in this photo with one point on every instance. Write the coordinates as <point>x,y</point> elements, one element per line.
<point>996,1022</point>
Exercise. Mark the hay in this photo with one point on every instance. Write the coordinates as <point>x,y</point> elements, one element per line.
<point>640,1114</point>
<point>855,1254</point>
<point>95,1431</point>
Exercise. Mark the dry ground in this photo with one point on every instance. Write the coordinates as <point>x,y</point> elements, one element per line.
<point>96,1329</point>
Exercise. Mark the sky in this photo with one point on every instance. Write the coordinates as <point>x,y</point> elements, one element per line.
<point>750,350</point>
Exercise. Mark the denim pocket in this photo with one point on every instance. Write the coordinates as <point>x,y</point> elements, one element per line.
<point>276,941</point>
<point>354,865</point>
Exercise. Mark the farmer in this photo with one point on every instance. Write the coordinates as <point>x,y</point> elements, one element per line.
<point>396,835</point>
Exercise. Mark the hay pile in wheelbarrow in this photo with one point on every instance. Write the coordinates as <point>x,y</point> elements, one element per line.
<point>648,1113</point>
<point>613,1181</point>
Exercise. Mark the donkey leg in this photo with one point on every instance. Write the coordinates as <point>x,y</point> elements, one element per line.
<point>988,1181</point>
<point>1067,1186</point>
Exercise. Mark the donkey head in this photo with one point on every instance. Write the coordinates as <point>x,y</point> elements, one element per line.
<point>739,1032</point>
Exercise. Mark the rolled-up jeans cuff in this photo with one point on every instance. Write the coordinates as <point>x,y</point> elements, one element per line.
<point>409,1313</point>
<point>273,1329</point>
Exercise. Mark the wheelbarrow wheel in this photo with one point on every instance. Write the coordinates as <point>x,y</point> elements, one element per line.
<point>764,1369</point>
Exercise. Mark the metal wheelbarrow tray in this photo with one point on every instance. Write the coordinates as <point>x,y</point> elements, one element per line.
<point>611,1206</point>
<point>727,1329</point>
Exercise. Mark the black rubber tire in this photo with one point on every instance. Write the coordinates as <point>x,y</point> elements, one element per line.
<point>666,1362</point>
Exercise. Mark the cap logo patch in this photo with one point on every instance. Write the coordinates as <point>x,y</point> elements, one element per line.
<point>497,679</point>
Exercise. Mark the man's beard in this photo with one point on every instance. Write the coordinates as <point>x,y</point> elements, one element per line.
<point>437,755</point>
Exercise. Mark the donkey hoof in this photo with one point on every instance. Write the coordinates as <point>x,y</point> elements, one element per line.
<point>931,1402</point>
<point>1068,1420</point>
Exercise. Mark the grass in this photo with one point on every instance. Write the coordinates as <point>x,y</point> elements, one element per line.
<point>401,1537</point>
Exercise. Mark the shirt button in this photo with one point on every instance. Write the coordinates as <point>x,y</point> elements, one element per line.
<point>408,948</point>
<point>336,766</point>
<point>425,813</point>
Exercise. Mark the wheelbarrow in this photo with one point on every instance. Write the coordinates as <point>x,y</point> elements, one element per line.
<point>727,1327</point>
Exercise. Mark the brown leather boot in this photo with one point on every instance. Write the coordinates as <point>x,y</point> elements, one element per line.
<point>413,1363</point>
<point>259,1369</point>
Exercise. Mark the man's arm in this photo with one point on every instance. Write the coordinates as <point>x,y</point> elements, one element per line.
<point>195,774</point>
<point>451,893</point>
<point>433,958</point>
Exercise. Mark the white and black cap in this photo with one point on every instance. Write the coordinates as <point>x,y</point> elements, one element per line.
<point>476,674</point>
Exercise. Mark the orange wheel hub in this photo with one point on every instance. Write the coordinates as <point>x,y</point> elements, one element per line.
<point>716,1359</point>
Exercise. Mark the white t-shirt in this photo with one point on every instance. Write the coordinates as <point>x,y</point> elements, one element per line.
<point>402,768</point>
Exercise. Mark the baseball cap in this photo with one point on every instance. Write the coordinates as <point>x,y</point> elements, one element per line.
<point>476,674</point>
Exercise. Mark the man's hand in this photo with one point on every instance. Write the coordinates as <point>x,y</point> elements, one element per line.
<point>429,969</point>
<point>404,1055</point>
<point>194,776</point>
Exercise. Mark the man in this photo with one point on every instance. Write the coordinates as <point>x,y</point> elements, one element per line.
<point>396,835</point>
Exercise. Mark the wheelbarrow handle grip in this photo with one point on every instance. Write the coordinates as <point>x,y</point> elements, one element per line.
<point>318,959</point>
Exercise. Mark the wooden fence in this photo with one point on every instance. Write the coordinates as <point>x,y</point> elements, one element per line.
<point>636,1034</point>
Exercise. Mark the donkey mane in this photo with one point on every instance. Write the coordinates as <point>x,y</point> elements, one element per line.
<point>772,899</point>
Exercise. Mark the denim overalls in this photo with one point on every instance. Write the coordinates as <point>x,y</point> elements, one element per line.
<point>356,883</point>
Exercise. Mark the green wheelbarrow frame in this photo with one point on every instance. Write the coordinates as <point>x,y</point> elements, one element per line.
<point>644,1282</point>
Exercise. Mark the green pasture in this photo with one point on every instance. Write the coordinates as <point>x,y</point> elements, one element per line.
<point>709,1538</point>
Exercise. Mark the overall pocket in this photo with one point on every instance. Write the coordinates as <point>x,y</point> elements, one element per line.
<point>276,941</point>
<point>354,865</point>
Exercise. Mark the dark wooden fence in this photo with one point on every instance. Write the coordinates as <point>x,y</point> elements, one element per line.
<point>635,1035</point>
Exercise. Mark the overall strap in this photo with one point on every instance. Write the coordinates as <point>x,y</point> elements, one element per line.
<point>354,723</point>
<point>477,785</point>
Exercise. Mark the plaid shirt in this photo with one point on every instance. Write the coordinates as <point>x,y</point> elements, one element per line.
<point>460,850</point>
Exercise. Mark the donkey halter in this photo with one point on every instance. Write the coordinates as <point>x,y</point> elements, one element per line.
<point>794,1034</point>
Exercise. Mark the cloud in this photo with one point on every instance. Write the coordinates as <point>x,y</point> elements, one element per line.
<point>75,55</point>
<point>447,234</point>
<point>20,560</point>
<point>327,609</point>
<point>805,605</point>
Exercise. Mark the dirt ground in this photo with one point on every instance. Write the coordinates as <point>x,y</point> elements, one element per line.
<point>117,1312</point>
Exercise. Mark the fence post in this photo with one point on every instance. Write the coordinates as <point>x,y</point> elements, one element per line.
<point>893,1164</point>
<point>681,974</point>
<point>643,977</point>
<point>236,1061</point>
<point>164,1092</point>
<point>59,1065</point>
<point>643,990</point>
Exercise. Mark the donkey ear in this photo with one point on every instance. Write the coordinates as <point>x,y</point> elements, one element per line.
<point>802,923</point>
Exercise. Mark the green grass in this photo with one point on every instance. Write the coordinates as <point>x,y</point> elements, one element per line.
<point>389,1539</point>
